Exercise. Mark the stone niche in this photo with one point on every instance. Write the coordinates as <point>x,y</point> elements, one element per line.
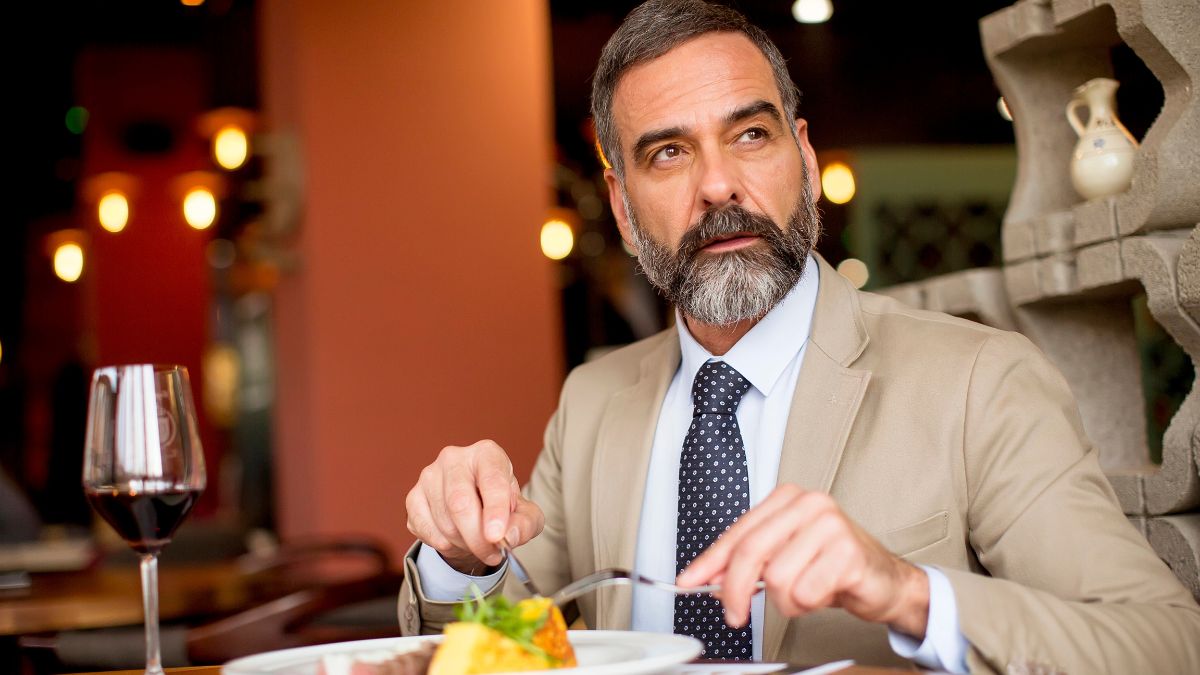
<point>1072,266</point>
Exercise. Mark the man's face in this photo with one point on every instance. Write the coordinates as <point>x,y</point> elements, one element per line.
<point>716,197</point>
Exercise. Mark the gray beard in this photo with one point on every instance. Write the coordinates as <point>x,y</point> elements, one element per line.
<point>721,289</point>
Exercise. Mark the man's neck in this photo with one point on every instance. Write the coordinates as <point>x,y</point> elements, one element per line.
<point>718,339</point>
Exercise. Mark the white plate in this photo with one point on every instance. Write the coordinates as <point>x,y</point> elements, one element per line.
<point>599,652</point>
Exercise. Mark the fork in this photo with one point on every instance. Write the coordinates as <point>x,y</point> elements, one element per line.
<point>517,568</point>
<point>616,575</point>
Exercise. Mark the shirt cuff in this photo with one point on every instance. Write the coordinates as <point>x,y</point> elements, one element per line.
<point>442,583</point>
<point>944,647</point>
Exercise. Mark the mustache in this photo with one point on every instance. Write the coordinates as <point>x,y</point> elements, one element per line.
<point>723,222</point>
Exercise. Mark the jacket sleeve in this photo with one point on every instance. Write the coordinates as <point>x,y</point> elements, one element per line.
<point>544,556</point>
<point>1074,587</point>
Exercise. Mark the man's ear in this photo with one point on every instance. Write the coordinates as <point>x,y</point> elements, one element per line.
<point>616,200</point>
<point>810,157</point>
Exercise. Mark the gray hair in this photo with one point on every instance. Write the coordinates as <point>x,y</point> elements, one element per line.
<point>655,28</point>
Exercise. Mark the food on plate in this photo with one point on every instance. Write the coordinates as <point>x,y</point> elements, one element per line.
<point>411,660</point>
<point>496,636</point>
<point>490,636</point>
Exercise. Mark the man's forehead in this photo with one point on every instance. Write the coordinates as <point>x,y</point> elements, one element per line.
<point>712,74</point>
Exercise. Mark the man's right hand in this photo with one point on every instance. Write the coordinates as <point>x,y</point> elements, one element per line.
<point>466,502</point>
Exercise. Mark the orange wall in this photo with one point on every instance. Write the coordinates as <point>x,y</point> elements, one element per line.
<point>422,312</point>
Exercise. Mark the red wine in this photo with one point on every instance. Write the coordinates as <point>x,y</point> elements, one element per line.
<point>144,519</point>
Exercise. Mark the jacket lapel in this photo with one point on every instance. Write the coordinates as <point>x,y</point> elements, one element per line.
<point>827,398</point>
<point>621,461</point>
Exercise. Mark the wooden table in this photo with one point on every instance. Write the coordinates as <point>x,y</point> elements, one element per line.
<point>112,596</point>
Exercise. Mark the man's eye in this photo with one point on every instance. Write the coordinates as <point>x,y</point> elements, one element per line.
<point>755,134</point>
<point>667,153</point>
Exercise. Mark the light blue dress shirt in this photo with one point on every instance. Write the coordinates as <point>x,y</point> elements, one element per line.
<point>769,356</point>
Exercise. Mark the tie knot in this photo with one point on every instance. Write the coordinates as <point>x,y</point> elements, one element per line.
<point>717,389</point>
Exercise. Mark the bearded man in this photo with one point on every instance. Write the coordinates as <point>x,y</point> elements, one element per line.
<point>908,485</point>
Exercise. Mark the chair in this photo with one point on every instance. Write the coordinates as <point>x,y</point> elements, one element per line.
<point>358,608</point>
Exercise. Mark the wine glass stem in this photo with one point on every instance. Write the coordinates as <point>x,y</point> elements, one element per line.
<point>150,608</point>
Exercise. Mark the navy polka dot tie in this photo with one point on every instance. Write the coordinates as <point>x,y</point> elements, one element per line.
<point>714,490</point>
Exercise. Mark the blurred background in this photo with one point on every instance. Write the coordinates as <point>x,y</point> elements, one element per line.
<point>372,229</point>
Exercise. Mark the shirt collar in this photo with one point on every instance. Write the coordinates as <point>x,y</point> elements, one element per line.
<point>765,351</point>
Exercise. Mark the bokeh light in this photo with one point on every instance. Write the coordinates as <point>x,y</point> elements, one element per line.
<point>113,211</point>
<point>230,147</point>
<point>812,11</point>
<point>220,373</point>
<point>221,253</point>
<point>591,243</point>
<point>77,119</point>
<point>557,239</point>
<point>1002,107</point>
<point>68,261</point>
<point>200,208</point>
<point>837,182</point>
<point>855,270</point>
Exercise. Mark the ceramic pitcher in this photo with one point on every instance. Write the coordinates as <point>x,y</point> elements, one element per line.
<point>1102,164</point>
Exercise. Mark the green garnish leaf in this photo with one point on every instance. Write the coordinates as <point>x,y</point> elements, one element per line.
<point>503,617</point>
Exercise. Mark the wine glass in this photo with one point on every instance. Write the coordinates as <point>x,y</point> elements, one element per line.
<point>143,467</point>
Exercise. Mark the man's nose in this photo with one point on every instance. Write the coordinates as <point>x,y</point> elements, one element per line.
<point>720,184</point>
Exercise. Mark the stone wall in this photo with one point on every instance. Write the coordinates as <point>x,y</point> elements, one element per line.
<point>1071,266</point>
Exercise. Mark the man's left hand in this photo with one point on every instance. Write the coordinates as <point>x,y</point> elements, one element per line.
<point>811,556</point>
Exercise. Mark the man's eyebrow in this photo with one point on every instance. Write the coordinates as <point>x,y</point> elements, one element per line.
<point>646,140</point>
<point>651,137</point>
<point>757,108</point>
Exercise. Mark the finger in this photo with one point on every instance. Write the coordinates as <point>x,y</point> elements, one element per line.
<point>525,523</point>
<point>757,548</point>
<point>716,557</point>
<point>494,481</point>
<point>421,525</point>
<point>431,486</point>
<point>466,511</point>
<point>817,585</point>
<point>515,490</point>
<point>791,561</point>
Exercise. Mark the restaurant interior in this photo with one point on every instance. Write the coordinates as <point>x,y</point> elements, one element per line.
<point>372,229</point>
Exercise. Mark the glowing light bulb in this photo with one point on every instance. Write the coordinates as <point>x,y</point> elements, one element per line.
<point>68,262</point>
<point>231,147</point>
<point>837,182</point>
<point>200,208</point>
<point>557,239</point>
<point>855,270</point>
<point>113,211</point>
<point>812,11</point>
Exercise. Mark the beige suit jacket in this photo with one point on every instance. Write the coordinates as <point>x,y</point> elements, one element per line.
<point>954,444</point>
